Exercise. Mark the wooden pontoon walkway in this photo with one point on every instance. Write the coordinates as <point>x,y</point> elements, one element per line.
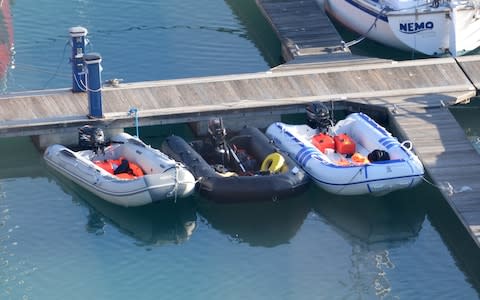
<point>304,30</point>
<point>415,91</point>
<point>424,83</point>
<point>418,88</point>
<point>449,158</point>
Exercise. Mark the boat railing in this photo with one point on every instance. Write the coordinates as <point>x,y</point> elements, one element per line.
<point>476,5</point>
<point>394,6</point>
<point>473,3</point>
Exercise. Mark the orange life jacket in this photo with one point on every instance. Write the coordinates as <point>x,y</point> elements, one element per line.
<point>111,164</point>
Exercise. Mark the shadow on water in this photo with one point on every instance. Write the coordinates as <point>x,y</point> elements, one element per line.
<point>440,212</point>
<point>375,222</point>
<point>155,224</point>
<point>262,224</point>
<point>458,240</point>
<point>370,48</point>
<point>453,233</point>
<point>26,158</point>
<point>155,134</point>
<point>373,226</point>
<point>467,117</point>
<point>258,29</point>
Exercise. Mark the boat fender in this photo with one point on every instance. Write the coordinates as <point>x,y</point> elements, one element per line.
<point>378,155</point>
<point>273,163</point>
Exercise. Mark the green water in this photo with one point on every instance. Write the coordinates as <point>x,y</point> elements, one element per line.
<point>58,241</point>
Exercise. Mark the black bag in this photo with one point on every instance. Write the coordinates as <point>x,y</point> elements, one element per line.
<point>378,155</point>
<point>124,167</point>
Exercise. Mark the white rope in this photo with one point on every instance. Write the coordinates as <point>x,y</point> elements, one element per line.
<point>351,179</point>
<point>90,90</point>
<point>175,187</point>
<point>448,187</point>
<point>374,24</point>
<point>84,87</point>
<point>80,84</point>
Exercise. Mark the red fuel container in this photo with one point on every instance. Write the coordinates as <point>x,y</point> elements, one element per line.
<point>323,141</point>
<point>344,144</point>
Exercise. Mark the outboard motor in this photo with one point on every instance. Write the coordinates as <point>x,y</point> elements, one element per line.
<point>318,116</point>
<point>91,138</point>
<point>218,133</point>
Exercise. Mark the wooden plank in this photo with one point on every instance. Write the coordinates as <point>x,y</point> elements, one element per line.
<point>471,66</point>
<point>302,27</point>
<point>450,160</point>
<point>369,85</point>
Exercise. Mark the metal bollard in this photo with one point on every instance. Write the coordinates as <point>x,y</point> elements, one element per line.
<point>94,84</point>
<point>78,42</point>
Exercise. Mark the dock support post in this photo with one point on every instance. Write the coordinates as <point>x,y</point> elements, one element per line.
<point>94,84</point>
<point>78,35</point>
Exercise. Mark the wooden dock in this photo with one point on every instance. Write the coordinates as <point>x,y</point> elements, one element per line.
<point>449,158</point>
<point>304,30</point>
<point>424,82</point>
<point>415,92</point>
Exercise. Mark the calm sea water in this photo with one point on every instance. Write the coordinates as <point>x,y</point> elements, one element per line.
<point>59,242</point>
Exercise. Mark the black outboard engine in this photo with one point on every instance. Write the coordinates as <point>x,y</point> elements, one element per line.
<point>218,133</point>
<point>318,116</point>
<point>91,138</point>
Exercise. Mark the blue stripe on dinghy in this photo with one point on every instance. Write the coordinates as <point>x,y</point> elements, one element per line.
<point>366,10</point>
<point>383,139</point>
<point>304,155</point>
<point>387,140</point>
<point>364,181</point>
<point>390,145</point>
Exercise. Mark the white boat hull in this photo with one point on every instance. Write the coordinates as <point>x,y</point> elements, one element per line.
<point>164,178</point>
<point>403,170</point>
<point>451,28</point>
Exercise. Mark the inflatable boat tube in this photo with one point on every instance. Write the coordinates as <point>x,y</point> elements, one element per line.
<point>223,182</point>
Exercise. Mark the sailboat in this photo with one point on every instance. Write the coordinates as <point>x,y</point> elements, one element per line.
<point>430,27</point>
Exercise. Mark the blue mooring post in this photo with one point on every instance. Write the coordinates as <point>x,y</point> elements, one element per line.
<point>94,84</point>
<point>78,35</point>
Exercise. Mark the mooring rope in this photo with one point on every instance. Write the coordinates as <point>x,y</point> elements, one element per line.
<point>364,36</point>
<point>374,24</point>
<point>448,188</point>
